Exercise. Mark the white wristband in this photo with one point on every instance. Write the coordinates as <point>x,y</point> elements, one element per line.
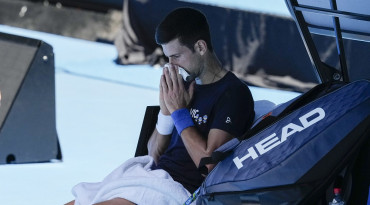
<point>165,124</point>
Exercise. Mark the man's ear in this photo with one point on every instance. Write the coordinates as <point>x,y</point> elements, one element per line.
<point>201,47</point>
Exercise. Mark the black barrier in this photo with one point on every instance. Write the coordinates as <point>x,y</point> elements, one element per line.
<point>27,113</point>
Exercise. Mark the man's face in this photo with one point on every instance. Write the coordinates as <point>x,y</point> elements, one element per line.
<point>182,56</point>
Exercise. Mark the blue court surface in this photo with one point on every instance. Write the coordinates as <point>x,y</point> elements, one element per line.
<point>99,111</point>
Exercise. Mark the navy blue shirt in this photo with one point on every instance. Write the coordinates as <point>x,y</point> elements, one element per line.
<point>226,105</point>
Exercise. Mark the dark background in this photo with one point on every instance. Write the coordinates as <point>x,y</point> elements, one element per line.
<point>262,49</point>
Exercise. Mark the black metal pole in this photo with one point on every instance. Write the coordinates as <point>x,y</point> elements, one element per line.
<point>339,41</point>
<point>309,44</point>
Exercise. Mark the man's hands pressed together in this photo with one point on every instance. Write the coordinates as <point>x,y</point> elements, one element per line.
<point>173,95</point>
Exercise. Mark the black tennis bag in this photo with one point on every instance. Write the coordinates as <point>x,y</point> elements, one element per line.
<point>296,152</point>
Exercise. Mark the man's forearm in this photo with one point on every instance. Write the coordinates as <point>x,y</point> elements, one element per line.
<point>195,144</point>
<point>198,147</point>
<point>157,144</point>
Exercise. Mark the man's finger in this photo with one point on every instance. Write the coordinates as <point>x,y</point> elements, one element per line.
<point>164,88</point>
<point>174,77</point>
<point>160,87</point>
<point>179,79</point>
<point>167,79</point>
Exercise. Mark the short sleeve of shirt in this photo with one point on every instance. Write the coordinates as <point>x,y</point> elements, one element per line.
<point>234,111</point>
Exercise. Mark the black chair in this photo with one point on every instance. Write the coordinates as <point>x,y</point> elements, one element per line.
<point>149,122</point>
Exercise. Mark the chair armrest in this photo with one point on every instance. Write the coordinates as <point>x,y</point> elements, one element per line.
<point>147,128</point>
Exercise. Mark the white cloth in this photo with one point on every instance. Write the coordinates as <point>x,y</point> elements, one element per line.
<point>135,181</point>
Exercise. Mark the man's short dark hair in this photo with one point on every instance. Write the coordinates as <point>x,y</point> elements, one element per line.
<point>188,25</point>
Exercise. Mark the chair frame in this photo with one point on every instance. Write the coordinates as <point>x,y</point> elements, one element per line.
<point>324,72</point>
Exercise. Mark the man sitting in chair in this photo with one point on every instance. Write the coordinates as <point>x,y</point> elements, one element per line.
<point>196,118</point>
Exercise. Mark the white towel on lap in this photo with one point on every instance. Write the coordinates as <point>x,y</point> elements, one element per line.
<point>135,181</point>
